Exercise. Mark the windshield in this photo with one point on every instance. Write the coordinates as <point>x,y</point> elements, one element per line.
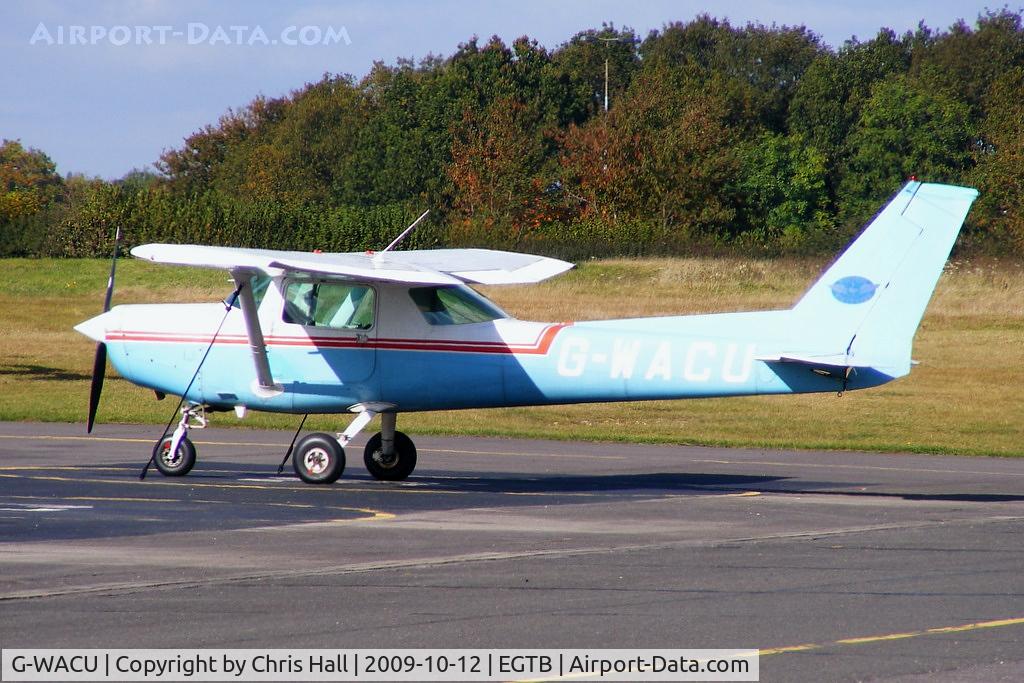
<point>259,285</point>
<point>454,305</point>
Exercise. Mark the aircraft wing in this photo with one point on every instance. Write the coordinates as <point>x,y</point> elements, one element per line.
<point>429,266</point>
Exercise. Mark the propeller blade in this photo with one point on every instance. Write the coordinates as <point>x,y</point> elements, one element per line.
<point>113,270</point>
<point>99,363</point>
<point>99,367</point>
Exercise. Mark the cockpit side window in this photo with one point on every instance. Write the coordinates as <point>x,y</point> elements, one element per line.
<point>454,305</point>
<point>336,305</point>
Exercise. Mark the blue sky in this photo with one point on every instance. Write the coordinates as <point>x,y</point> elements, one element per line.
<point>114,103</point>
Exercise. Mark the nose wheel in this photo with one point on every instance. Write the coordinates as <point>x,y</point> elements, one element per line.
<point>176,464</point>
<point>174,454</point>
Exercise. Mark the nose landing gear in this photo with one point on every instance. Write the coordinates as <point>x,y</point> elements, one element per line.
<point>174,454</point>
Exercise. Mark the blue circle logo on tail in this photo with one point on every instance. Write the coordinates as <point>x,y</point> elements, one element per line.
<point>853,289</point>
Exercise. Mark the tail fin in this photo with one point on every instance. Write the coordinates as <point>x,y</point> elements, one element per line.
<point>869,303</point>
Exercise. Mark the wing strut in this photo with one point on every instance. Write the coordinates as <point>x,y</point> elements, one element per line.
<point>265,385</point>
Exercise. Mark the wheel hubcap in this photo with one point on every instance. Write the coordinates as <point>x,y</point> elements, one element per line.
<point>170,459</point>
<point>316,460</point>
<point>386,461</point>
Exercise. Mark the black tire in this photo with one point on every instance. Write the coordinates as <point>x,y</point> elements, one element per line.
<point>318,459</point>
<point>180,463</point>
<point>396,468</point>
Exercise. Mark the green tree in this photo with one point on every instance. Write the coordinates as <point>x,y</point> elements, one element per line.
<point>496,169</point>
<point>999,175</point>
<point>904,129</point>
<point>28,181</point>
<point>782,191</point>
<point>965,62</point>
<point>755,68</point>
<point>194,168</point>
<point>582,63</point>
<point>663,154</point>
<point>832,91</point>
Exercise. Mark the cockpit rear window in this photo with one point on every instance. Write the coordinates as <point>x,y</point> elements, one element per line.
<point>454,305</point>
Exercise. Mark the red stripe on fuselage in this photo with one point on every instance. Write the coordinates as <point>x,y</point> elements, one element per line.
<point>540,346</point>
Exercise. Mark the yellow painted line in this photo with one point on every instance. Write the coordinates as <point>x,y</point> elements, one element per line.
<point>980,625</point>
<point>764,652</point>
<point>40,437</point>
<point>36,468</point>
<point>372,516</point>
<point>124,439</point>
<point>876,639</point>
<point>566,677</point>
<point>975,626</point>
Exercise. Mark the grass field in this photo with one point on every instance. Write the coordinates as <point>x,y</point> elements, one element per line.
<point>965,396</point>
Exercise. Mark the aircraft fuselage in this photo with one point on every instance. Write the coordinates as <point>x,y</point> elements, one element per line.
<point>400,359</point>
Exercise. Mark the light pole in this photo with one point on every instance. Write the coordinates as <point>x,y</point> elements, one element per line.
<point>607,42</point>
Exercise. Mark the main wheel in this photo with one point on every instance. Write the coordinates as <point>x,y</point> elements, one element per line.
<point>318,459</point>
<point>176,464</point>
<point>394,467</point>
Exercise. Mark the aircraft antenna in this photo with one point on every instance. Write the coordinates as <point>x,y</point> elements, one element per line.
<point>405,232</point>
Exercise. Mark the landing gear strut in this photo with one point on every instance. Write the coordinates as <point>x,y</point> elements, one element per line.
<point>174,454</point>
<point>390,455</point>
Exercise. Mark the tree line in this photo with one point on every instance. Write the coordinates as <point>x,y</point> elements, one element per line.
<point>752,139</point>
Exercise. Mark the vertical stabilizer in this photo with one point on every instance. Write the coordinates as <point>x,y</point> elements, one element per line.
<point>869,303</point>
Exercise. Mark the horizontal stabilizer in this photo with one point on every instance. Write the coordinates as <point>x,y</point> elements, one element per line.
<point>838,366</point>
<point>837,360</point>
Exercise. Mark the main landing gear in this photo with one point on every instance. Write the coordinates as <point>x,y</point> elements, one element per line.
<point>389,455</point>
<point>317,458</point>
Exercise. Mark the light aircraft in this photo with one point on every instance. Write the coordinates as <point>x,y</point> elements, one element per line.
<point>401,331</point>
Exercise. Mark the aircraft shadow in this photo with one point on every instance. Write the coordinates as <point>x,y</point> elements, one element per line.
<point>676,482</point>
<point>650,482</point>
<point>32,371</point>
<point>596,483</point>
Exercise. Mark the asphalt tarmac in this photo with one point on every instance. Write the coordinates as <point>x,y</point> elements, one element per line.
<point>838,566</point>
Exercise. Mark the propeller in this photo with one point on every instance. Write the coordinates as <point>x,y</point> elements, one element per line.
<point>99,363</point>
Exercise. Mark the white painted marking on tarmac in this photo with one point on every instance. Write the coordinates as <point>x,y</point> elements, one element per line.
<point>28,507</point>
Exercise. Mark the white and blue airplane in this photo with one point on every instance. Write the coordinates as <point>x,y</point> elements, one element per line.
<point>401,331</point>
